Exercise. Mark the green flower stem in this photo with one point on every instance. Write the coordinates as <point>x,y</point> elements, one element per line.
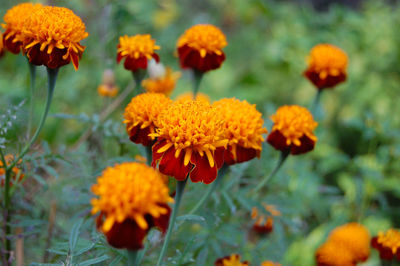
<point>316,103</point>
<point>6,216</point>
<point>32,72</point>
<point>180,186</point>
<point>132,257</point>
<point>197,77</point>
<point>149,154</point>
<point>282,159</point>
<point>52,77</point>
<point>138,76</point>
<point>211,188</point>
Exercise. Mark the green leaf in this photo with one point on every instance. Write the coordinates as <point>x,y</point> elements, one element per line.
<point>191,217</point>
<point>94,261</point>
<point>73,237</point>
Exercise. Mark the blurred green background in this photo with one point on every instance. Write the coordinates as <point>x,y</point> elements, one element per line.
<point>352,175</point>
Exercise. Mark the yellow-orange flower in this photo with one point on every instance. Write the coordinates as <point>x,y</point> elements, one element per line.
<point>388,244</point>
<point>15,19</point>
<point>137,51</point>
<point>164,84</point>
<point>1,45</point>
<point>51,36</point>
<point>355,237</point>
<point>232,260</point>
<point>131,198</point>
<point>264,223</point>
<point>293,130</point>
<point>141,116</point>
<point>108,87</point>
<point>327,66</point>
<point>270,263</point>
<point>188,97</point>
<point>243,128</point>
<point>334,254</point>
<point>191,140</point>
<point>16,174</point>
<point>200,47</point>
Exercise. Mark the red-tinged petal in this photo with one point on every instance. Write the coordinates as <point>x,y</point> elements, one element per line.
<point>133,64</point>
<point>156,57</point>
<point>219,157</point>
<point>155,155</point>
<point>75,60</point>
<point>10,45</point>
<point>277,140</point>
<point>228,157</point>
<point>328,82</point>
<point>307,145</point>
<point>169,165</point>
<point>162,221</point>
<point>119,58</point>
<point>126,235</point>
<point>191,58</point>
<point>202,172</point>
<point>140,135</point>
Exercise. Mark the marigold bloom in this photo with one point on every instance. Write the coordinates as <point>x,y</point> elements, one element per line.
<point>14,20</point>
<point>137,51</point>
<point>108,87</point>
<point>327,66</point>
<point>190,141</point>
<point>388,244</point>
<point>264,223</point>
<point>200,48</point>
<point>270,263</point>
<point>293,130</point>
<point>232,260</point>
<point>243,128</point>
<point>355,237</point>
<point>132,198</point>
<point>188,97</point>
<point>51,36</point>
<point>141,116</point>
<point>164,84</point>
<point>16,173</point>
<point>1,45</point>
<point>334,254</point>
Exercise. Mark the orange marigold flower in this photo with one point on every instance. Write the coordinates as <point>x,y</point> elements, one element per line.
<point>15,19</point>
<point>388,244</point>
<point>188,97</point>
<point>1,45</point>
<point>51,36</point>
<point>334,254</point>
<point>232,260</point>
<point>264,223</point>
<point>243,128</point>
<point>355,237</point>
<point>200,48</point>
<point>293,130</point>
<point>191,140</point>
<point>270,263</point>
<point>131,198</point>
<point>141,116</point>
<point>137,51</point>
<point>163,84</point>
<point>108,87</point>
<point>327,66</point>
<point>16,174</point>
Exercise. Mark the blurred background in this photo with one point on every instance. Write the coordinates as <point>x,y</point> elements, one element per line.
<point>352,175</point>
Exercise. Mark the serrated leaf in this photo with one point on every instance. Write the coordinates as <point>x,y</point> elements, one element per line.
<point>73,237</point>
<point>94,261</point>
<point>191,217</point>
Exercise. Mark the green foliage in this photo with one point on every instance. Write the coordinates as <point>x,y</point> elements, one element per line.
<point>352,175</point>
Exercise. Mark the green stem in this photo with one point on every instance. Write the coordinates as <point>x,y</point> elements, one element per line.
<point>6,214</point>
<point>32,71</point>
<point>211,188</point>
<point>282,159</point>
<point>197,77</point>
<point>149,154</point>
<point>316,103</point>
<point>132,257</point>
<point>52,77</point>
<point>138,76</point>
<point>180,186</point>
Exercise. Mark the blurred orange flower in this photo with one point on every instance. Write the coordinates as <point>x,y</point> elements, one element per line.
<point>293,130</point>
<point>108,88</point>
<point>131,198</point>
<point>137,51</point>
<point>327,66</point>
<point>200,48</point>
<point>270,263</point>
<point>264,223</point>
<point>141,116</point>
<point>188,97</point>
<point>15,19</point>
<point>232,260</point>
<point>16,174</point>
<point>51,36</point>
<point>243,128</point>
<point>2,48</point>
<point>388,244</point>
<point>163,84</point>
<point>190,141</point>
<point>334,254</point>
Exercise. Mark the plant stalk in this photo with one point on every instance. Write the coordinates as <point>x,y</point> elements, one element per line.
<point>180,186</point>
<point>132,257</point>
<point>32,72</point>
<point>282,159</point>
<point>197,77</point>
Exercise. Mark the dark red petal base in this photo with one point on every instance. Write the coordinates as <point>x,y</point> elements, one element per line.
<point>13,47</point>
<point>133,64</point>
<point>52,60</point>
<point>329,82</point>
<point>242,155</point>
<point>140,136</point>
<point>385,253</point>
<point>190,58</point>
<point>278,141</point>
